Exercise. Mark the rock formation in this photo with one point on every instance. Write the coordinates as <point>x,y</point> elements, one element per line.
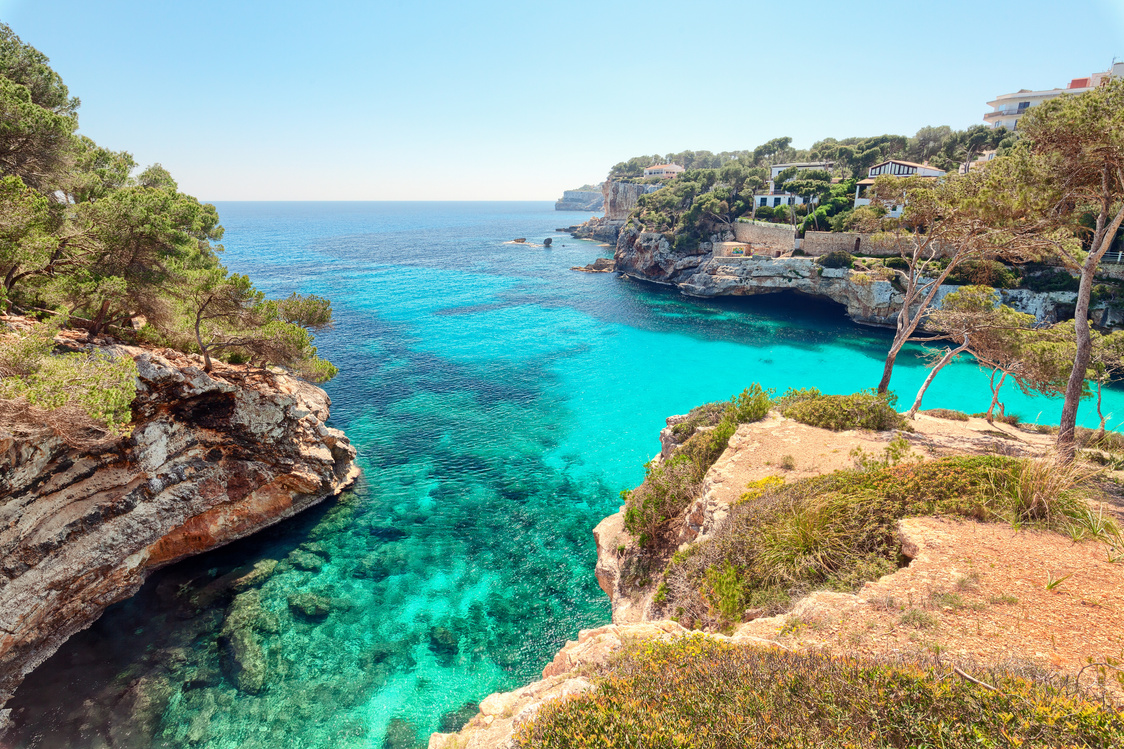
<point>580,200</point>
<point>211,458</point>
<point>619,199</point>
<point>600,265</point>
<point>868,298</point>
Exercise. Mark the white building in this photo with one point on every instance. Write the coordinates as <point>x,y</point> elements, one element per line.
<point>982,159</point>
<point>663,170</point>
<point>1006,110</point>
<point>775,197</point>
<point>897,168</point>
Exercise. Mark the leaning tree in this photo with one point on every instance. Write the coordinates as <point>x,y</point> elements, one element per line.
<point>1075,164</point>
<point>946,223</point>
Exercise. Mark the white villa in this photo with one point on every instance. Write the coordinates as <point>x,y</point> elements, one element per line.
<point>1007,109</point>
<point>897,168</point>
<point>775,197</point>
<point>663,170</point>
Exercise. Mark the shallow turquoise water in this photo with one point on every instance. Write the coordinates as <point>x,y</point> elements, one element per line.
<point>499,402</point>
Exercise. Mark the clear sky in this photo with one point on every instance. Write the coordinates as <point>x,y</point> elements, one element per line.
<point>434,100</point>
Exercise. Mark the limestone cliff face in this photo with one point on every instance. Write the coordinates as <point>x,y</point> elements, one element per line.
<point>212,458</point>
<point>580,200</point>
<point>621,197</point>
<point>651,257</point>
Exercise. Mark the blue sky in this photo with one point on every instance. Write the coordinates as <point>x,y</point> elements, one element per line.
<point>349,100</point>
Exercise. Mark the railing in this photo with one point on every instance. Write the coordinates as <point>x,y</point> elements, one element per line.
<point>1113,258</point>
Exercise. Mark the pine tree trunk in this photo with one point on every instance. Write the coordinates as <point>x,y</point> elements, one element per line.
<point>949,356</point>
<point>1067,428</point>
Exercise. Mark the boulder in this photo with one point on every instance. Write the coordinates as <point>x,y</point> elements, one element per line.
<point>310,606</point>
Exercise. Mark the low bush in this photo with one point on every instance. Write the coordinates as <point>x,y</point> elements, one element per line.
<point>1009,419</point>
<point>946,413</point>
<point>1053,279</point>
<point>706,415</point>
<point>862,410</point>
<point>984,273</point>
<point>699,692</point>
<point>669,486</point>
<point>836,259</point>
<point>98,385</point>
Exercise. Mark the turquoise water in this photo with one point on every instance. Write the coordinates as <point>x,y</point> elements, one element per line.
<point>500,402</point>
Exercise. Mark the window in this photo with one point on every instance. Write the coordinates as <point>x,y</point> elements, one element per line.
<point>791,201</point>
<point>776,202</point>
<point>763,202</point>
<point>1023,106</point>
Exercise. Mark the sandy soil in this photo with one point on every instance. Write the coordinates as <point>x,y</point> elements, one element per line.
<point>977,592</point>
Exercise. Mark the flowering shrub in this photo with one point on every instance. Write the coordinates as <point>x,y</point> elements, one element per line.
<point>699,692</point>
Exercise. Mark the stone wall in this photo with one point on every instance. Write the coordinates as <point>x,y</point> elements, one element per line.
<point>818,243</point>
<point>771,239</point>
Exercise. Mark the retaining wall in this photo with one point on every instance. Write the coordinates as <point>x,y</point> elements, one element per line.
<point>773,239</point>
<point>818,243</point>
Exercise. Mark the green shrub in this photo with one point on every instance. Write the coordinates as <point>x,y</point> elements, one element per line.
<point>837,531</point>
<point>946,413</point>
<point>863,410</point>
<point>669,486</point>
<point>984,273</point>
<point>99,385</point>
<point>700,692</point>
<point>1053,279</point>
<point>897,263</point>
<point>836,259</point>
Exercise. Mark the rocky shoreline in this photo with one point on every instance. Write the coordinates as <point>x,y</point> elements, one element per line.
<point>212,457</point>
<point>867,298</point>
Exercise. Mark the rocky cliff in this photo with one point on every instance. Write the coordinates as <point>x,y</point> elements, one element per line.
<point>211,458</point>
<point>580,200</point>
<point>621,197</point>
<point>619,200</point>
<point>867,297</point>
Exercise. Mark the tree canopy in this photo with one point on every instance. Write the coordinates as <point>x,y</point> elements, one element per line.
<point>88,241</point>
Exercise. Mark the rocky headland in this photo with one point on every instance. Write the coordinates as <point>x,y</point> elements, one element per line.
<point>211,457</point>
<point>867,296</point>
<point>978,585</point>
<point>580,200</point>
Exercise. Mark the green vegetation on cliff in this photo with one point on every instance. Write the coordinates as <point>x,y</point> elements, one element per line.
<point>835,531</point>
<point>699,692</point>
<point>87,241</point>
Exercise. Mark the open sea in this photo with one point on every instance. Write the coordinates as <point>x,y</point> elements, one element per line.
<point>499,402</point>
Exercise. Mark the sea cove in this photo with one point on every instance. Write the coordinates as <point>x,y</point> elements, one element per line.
<point>499,403</point>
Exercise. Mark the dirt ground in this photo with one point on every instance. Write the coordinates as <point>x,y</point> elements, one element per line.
<point>759,450</point>
<point>979,593</point>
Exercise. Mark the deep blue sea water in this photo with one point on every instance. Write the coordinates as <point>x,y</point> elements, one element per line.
<point>499,402</point>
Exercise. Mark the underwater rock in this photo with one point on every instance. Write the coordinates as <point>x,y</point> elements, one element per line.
<point>315,547</point>
<point>136,717</point>
<point>454,720</point>
<point>310,605</point>
<point>401,734</point>
<point>247,612</point>
<point>257,575</point>
<point>303,560</point>
<point>386,532</point>
<point>444,644</point>
<point>245,661</point>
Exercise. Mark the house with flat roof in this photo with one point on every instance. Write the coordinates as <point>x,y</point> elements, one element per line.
<point>897,168</point>
<point>663,170</point>
<point>775,197</point>
<point>1007,109</point>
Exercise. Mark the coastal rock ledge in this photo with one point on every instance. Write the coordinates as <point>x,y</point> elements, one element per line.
<point>211,458</point>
